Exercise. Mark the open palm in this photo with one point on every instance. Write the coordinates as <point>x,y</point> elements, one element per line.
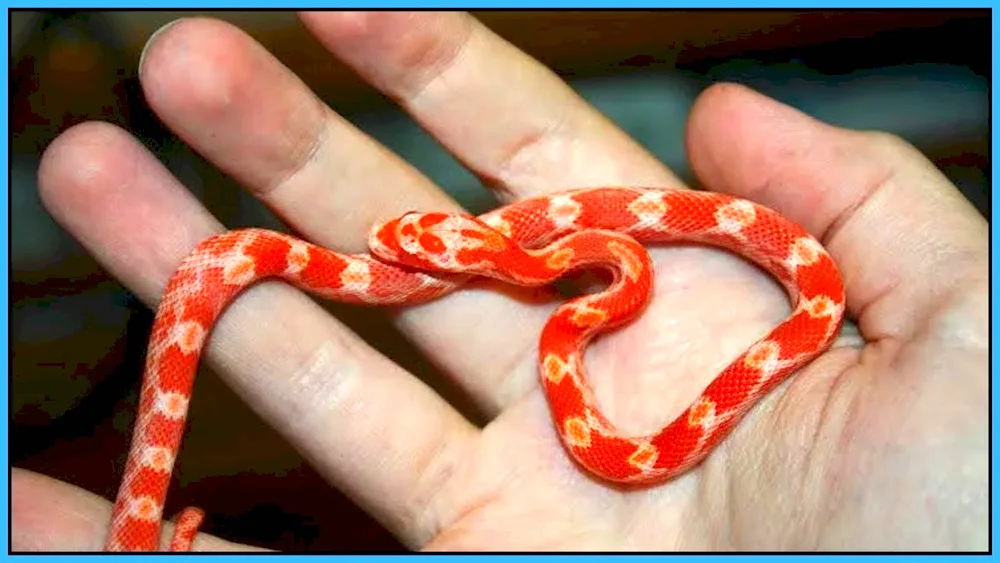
<point>880,443</point>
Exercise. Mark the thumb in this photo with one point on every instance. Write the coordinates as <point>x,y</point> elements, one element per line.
<point>903,236</point>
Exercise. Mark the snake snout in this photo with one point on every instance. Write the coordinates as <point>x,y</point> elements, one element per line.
<point>382,240</point>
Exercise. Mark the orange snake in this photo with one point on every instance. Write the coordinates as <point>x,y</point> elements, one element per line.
<point>419,257</point>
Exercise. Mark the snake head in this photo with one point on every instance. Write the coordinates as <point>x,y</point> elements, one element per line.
<point>443,242</point>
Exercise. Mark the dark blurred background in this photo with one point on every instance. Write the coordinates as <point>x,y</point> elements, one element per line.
<point>78,338</point>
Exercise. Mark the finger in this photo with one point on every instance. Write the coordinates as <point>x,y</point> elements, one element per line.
<point>503,114</point>
<point>53,516</point>
<point>891,220</point>
<point>513,123</point>
<point>238,106</point>
<point>370,428</point>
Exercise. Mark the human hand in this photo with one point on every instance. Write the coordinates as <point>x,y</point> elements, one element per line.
<point>881,443</point>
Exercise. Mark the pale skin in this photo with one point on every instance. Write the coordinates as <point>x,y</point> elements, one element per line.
<point>880,444</point>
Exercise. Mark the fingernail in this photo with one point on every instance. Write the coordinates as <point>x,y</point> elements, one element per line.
<point>152,39</point>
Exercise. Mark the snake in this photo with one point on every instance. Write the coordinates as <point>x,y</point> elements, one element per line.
<point>420,256</point>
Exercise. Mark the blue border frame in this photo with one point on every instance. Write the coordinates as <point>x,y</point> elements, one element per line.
<point>494,4</point>
<point>995,17</point>
<point>445,4</point>
<point>5,325</point>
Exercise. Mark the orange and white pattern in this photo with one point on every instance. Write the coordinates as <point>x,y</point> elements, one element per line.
<point>533,242</point>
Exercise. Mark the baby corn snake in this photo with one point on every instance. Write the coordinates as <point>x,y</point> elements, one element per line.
<point>422,256</point>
